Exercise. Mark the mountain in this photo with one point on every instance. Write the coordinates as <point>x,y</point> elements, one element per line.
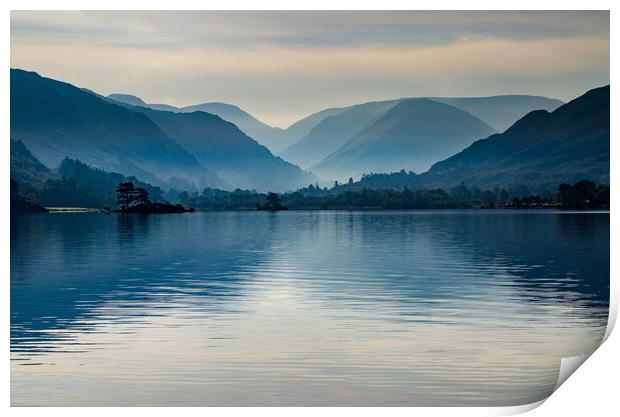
<point>329,134</point>
<point>302,127</point>
<point>220,145</point>
<point>73,184</point>
<point>539,151</point>
<point>127,99</point>
<point>412,135</point>
<point>25,168</point>
<point>272,137</point>
<point>164,107</point>
<point>500,112</point>
<point>334,131</point>
<point>57,120</point>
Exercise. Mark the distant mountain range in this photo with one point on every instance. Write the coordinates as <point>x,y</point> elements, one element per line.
<point>333,131</point>
<point>500,112</point>
<point>411,135</point>
<point>221,146</point>
<point>57,120</point>
<point>302,127</point>
<point>342,125</point>
<point>542,142</point>
<point>542,149</point>
<point>273,138</point>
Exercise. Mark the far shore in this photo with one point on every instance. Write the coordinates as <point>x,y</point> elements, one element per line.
<point>567,210</point>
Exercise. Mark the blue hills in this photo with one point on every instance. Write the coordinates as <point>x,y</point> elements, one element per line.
<point>55,120</point>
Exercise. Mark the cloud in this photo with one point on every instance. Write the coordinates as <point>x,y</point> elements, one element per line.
<point>281,66</point>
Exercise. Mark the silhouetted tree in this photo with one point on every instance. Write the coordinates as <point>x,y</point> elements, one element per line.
<point>142,196</point>
<point>125,194</point>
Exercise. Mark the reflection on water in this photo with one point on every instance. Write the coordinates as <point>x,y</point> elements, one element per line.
<point>303,308</point>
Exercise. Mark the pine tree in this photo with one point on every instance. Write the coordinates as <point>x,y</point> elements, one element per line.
<point>142,196</point>
<point>125,195</point>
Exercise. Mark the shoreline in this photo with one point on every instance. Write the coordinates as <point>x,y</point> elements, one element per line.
<point>77,210</point>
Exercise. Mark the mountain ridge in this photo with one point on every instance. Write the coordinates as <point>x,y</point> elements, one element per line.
<point>332,132</point>
<point>274,138</point>
<point>542,148</point>
<point>55,120</point>
<point>411,135</point>
<point>239,159</point>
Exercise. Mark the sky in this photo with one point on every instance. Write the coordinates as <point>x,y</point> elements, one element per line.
<point>281,66</point>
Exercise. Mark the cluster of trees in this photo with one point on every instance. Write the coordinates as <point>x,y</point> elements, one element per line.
<point>218,200</point>
<point>20,204</point>
<point>581,195</point>
<point>272,203</point>
<point>127,195</point>
<point>476,196</point>
<point>404,180</point>
<point>362,199</point>
<point>80,185</point>
<point>394,180</point>
<point>132,199</point>
<point>102,183</point>
<point>584,194</point>
<point>367,198</point>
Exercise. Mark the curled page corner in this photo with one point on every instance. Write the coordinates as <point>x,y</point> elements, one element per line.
<point>520,409</point>
<point>568,366</point>
<point>613,312</point>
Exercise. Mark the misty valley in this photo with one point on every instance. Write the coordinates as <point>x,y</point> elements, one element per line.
<point>73,147</point>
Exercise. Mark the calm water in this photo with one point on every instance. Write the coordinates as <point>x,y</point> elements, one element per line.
<point>303,308</point>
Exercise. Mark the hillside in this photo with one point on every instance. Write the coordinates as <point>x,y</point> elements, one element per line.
<point>329,133</point>
<point>302,127</point>
<point>237,158</point>
<point>25,168</point>
<point>272,137</point>
<point>333,131</point>
<point>412,136</point>
<point>539,151</point>
<point>73,184</point>
<point>500,112</point>
<point>57,120</point>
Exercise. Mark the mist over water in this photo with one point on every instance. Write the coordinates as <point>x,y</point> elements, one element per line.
<point>303,308</point>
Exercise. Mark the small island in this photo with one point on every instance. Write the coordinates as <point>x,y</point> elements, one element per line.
<point>131,199</point>
<point>272,203</point>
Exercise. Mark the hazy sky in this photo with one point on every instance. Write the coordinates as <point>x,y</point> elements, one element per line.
<point>281,66</point>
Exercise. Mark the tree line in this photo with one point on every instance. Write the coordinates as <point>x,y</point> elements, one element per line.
<point>583,194</point>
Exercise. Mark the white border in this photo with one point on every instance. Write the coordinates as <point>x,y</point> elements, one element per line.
<point>591,391</point>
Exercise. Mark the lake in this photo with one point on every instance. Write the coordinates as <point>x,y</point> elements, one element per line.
<point>303,308</point>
